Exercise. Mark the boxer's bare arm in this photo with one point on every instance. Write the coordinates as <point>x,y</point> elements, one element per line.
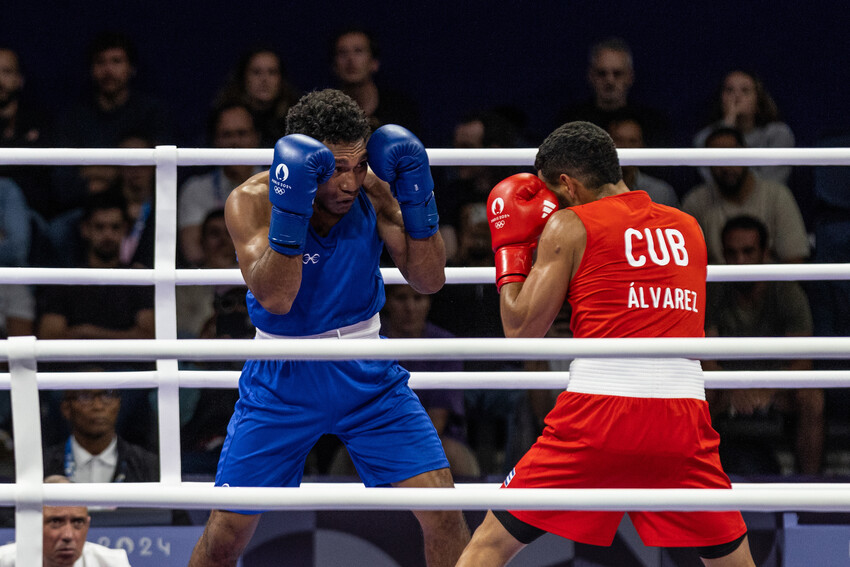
<point>273,278</point>
<point>422,262</point>
<point>529,308</point>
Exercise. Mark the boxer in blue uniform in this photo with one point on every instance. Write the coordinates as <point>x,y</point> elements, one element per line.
<point>309,235</point>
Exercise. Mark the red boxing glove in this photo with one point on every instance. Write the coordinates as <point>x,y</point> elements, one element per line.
<point>517,211</point>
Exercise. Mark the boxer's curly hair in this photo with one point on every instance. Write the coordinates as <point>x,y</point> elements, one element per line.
<point>329,116</point>
<point>581,150</point>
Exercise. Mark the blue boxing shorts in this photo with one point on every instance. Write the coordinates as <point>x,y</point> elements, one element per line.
<point>285,406</point>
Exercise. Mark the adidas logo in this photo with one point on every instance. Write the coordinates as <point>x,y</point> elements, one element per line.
<point>548,207</point>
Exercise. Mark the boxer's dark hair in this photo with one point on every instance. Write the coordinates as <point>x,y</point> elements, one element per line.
<point>329,116</point>
<point>583,151</point>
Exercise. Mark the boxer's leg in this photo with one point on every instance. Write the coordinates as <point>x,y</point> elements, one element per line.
<point>444,532</point>
<point>224,539</point>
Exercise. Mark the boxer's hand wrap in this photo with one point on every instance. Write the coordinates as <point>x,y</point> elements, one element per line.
<point>517,210</point>
<point>299,166</point>
<point>399,158</point>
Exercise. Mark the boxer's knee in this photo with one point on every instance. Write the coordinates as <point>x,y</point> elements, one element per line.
<point>442,523</point>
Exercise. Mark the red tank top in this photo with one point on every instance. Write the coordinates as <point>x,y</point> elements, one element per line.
<point>642,273</point>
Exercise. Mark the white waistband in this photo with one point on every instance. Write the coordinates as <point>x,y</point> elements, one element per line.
<point>638,377</point>
<point>368,329</point>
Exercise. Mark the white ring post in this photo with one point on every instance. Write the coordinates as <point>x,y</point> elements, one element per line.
<point>165,274</point>
<point>29,464</point>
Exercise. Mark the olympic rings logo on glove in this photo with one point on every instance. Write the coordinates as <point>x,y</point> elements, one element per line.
<point>500,224</point>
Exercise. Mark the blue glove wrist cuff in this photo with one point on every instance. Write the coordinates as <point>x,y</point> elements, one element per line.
<point>287,232</point>
<point>421,220</point>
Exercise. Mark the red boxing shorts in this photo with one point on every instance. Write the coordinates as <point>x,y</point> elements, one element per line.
<point>601,441</point>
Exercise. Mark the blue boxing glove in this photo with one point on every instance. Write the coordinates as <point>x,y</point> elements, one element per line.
<point>399,158</point>
<point>299,166</point>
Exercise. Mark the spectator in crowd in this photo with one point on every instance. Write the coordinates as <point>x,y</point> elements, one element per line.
<point>17,317</point>
<point>95,311</point>
<point>743,103</point>
<point>22,125</point>
<point>102,312</point>
<point>65,245</point>
<point>195,304</point>
<point>468,186</point>
<point>355,62</point>
<point>94,452</point>
<point>138,185</point>
<point>64,543</point>
<point>611,76</point>
<point>527,423</point>
<point>405,315</point>
<point>468,310</point>
<point>17,311</point>
<point>17,305</point>
<point>205,412</point>
<point>734,190</point>
<point>259,81</point>
<point>471,310</point>
<point>627,133</point>
<point>761,309</point>
<point>210,312</point>
<point>230,126</point>
<point>111,109</point>
<point>15,228</point>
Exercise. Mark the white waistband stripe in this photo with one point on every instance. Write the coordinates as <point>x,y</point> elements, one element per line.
<point>368,329</point>
<point>638,377</point>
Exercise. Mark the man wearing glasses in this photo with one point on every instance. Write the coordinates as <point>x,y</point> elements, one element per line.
<point>94,452</point>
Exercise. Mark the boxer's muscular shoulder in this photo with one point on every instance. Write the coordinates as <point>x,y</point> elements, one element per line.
<point>257,184</point>
<point>255,188</point>
<point>249,202</point>
<point>564,239</point>
<point>564,229</point>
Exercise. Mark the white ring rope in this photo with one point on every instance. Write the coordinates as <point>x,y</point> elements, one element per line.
<point>500,380</point>
<point>454,275</point>
<point>436,156</point>
<point>350,496</point>
<point>440,349</point>
<point>166,350</point>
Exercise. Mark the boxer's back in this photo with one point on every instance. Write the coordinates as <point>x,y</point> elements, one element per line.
<point>642,273</point>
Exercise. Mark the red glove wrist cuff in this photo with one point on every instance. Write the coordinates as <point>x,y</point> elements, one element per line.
<point>513,262</point>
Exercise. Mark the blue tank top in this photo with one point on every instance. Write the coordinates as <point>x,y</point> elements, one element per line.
<point>341,280</point>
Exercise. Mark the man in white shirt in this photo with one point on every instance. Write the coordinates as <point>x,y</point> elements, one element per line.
<point>231,126</point>
<point>64,543</point>
<point>94,452</point>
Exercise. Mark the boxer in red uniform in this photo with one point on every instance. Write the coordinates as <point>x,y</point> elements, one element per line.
<point>629,268</point>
